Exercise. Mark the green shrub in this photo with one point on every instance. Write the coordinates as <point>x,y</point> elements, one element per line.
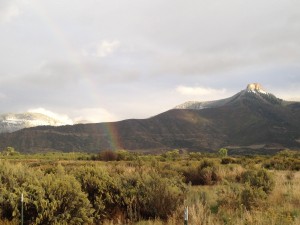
<point>207,163</point>
<point>258,179</point>
<point>252,194</point>
<point>227,160</point>
<point>191,175</point>
<point>171,155</point>
<point>207,171</point>
<point>235,197</point>
<point>229,196</point>
<point>63,201</point>
<point>280,163</point>
<point>284,160</point>
<point>103,191</point>
<point>122,155</point>
<point>195,156</point>
<point>48,199</point>
<point>9,151</point>
<point>208,176</point>
<point>252,197</point>
<point>153,196</point>
<point>205,174</point>
<point>108,155</point>
<point>223,152</point>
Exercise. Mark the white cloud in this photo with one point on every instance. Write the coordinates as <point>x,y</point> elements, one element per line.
<point>63,118</point>
<point>107,47</point>
<point>289,95</point>
<point>101,49</point>
<point>294,99</point>
<point>94,115</point>
<point>8,10</point>
<point>85,115</point>
<point>199,91</point>
<point>2,96</point>
<point>127,57</point>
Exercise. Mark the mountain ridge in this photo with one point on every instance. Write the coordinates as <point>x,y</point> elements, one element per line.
<point>10,122</point>
<point>254,88</point>
<point>249,118</point>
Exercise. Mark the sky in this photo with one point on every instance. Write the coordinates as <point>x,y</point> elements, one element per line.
<point>109,60</point>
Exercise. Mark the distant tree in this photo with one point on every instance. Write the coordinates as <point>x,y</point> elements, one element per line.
<point>9,151</point>
<point>223,152</point>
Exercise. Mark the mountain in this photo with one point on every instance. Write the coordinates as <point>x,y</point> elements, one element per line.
<point>11,122</point>
<point>254,88</point>
<point>252,120</point>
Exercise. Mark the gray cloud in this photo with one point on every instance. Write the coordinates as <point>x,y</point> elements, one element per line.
<point>54,74</point>
<point>119,55</point>
<point>63,73</point>
<point>9,9</point>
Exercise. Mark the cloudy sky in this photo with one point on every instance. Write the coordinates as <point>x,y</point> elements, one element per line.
<point>107,60</point>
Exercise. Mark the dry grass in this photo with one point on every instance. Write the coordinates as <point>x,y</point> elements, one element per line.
<point>6,222</point>
<point>282,208</point>
<point>230,172</point>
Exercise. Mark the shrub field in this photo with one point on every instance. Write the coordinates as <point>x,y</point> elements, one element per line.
<point>129,188</point>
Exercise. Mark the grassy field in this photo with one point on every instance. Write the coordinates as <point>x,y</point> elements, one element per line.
<point>130,188</point>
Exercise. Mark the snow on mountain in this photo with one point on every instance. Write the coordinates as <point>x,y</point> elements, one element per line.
<point>254,88</point>
<point>193,104</point>
<point>11,122</point>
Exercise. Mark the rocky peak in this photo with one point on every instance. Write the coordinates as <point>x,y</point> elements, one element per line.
<point>256,88</point>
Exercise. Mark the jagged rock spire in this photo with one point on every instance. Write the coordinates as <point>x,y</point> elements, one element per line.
<point>255,87</point>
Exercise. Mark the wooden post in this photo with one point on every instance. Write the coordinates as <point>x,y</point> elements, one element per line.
<point>186,215</point>
<point>22,218</point>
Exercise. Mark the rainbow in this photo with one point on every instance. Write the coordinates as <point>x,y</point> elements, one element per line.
<point>113,136</point>
<point>109,129</point>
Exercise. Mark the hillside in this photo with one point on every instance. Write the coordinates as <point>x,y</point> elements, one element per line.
<point>250,118</point>
<point>11,122</point>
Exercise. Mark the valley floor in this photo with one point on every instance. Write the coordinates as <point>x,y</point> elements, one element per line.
<point>74,188</point>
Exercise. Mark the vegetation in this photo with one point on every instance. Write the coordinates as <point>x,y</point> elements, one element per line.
<point>9,151</point>
<point>128,188</point>
<point>223,152</point>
